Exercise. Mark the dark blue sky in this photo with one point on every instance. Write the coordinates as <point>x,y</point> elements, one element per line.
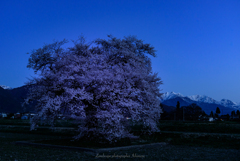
<point>197,41</point>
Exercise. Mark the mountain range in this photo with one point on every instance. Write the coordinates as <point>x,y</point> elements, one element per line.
<point>5,87</point>
<point>208,104</point>
<point>11,100</point>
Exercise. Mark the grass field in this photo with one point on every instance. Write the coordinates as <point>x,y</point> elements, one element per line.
<point>185,141</point>
<point>196,126</point>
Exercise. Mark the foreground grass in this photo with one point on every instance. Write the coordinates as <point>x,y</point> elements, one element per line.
<point>197,126</point>
<point>186,141</point>
<point>58,123</point>
<point>12,152</point>
<point>172,131</point>
<point>196,139</point>
<point>186,126</point>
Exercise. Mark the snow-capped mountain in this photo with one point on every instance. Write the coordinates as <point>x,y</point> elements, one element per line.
<point>5,87</point>
<point>170,95</point>
<point>208,104</point>
<point>200,98</point>
<point>227,102</point>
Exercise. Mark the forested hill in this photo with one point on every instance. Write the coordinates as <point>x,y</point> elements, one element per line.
<point>11,100</point>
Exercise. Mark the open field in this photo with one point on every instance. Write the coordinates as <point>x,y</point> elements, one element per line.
<point>201,126</point>
<point>184,141</point>
<point>9,151</point>
<point>187,126</point>
<point>59,123</point>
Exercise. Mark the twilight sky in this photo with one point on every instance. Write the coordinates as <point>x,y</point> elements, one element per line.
<point>197,41</point>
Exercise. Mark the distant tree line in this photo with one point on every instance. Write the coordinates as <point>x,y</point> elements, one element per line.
<point>191,112</point>
<point>195,112</point>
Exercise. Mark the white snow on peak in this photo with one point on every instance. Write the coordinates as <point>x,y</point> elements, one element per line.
<point>170,95</point>
<point>5,87</point>
<point>227,102</point>
<point>202,98</point>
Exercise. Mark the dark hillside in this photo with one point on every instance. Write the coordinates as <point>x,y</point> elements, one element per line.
<point>8,103</point>
<point>11,100</point>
